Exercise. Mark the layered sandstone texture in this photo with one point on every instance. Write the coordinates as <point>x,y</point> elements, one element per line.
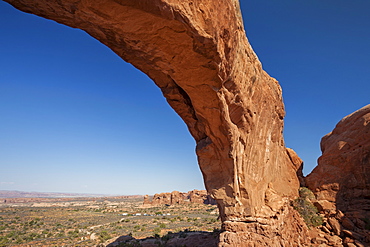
<point>177,198</point>
<point>197,52</point>
<point>341,181</point>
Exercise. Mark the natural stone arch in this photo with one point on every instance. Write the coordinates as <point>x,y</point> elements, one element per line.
<point>198,54</point>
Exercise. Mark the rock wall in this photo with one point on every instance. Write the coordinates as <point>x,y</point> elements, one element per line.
<point>298,164</point>
<point>197,52</point>
<point>341,181</point>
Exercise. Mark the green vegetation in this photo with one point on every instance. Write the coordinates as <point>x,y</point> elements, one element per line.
<point>303,204</point>
<point>94,222</point>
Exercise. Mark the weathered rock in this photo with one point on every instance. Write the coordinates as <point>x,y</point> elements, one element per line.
<point>325,206</point>
<point>343,173</point>
<point>355,235</point>
<point>334,240</point>
<point>162,199</point>
<point>190,239</point>
<point>325,229</point>
<point>176,197</point>
<point>260,232</point>
<point>339,215</point>
<point>94,236</point>
<point>298,164</point>
<point>319,240</point>
<point>359,244</point>
<point>335,225</point>
<point>147,200</point>
<point>359,223</point>
<point>347,224</point>
<point>342,176</point>
<point>198,54</point>
<point>351,245</point>
<point>200,196</point>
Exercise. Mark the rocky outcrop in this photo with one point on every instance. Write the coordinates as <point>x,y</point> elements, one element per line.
<point>147,200</point>
<point>201,197</point>
<point>287,229</point>
<point>176,198</point>
<point>161,199</point>
<point>198,54</point>
<point>298,165</point>
<point>341,181</point>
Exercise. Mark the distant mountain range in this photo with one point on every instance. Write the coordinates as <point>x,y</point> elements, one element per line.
<point>24,194</point>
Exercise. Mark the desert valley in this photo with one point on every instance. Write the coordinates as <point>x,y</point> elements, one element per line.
<point>98,221</point>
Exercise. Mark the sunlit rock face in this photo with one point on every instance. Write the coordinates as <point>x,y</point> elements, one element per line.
<point>198,54</point>
<point>177,198</point>
<point>343,173</point>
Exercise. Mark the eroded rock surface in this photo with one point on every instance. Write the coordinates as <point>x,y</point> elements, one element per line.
<point>176,197</point>
<point>198,54</point>
<point>298,164</point>
<point>343,172</point>
<point>341,181</point>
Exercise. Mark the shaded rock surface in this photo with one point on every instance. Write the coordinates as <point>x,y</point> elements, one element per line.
<point>185,238</point>
<point>298,164</point>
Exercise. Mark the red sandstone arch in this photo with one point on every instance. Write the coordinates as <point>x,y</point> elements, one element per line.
<point>197,52</point>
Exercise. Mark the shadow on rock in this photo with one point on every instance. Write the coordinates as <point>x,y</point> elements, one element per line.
<point>183,238</point>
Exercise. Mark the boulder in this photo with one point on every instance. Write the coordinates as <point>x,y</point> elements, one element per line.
<point>336,227</point>
<point>348,224</point>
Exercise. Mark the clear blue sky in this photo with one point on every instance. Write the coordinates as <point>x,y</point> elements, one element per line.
<point>74,117</point>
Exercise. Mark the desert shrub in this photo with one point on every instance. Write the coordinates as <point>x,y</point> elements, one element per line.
<point>162,225</point>
<point>306,209</point>
<point>306,194</point>
<point>104,236</point>
<point>156,231</point>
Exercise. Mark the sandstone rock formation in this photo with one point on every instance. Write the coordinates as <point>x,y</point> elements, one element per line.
<point>176,197</point>
<point>298,163</point>
<point>200,196</point>
<point>197,52</point>
<point>341,181</point>
<point>161,199</point>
